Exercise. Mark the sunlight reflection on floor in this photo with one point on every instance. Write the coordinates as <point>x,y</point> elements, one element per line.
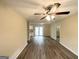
<point>39,40</point>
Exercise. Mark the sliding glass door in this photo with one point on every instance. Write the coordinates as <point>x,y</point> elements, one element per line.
<point>38,30</point>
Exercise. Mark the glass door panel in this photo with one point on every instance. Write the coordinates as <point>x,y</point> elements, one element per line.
<point>38,30</point>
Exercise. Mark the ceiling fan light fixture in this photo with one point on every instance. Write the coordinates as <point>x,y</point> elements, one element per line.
<point>48,18</point>
<point>52,17</point>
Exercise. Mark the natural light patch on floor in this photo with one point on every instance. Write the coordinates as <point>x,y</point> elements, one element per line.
<point>39,40</point>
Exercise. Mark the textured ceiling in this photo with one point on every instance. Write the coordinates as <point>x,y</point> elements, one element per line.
<point>28,7</point>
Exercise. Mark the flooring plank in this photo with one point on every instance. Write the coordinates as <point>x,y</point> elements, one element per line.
<point>45,48</point>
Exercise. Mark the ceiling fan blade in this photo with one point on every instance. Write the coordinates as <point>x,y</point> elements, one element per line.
<point>47,11</point>
<point>62,13</point>
<point>43,18</point>
<point>39,14</point>
<point>57,4</point>
<point>51,6</point>
<point>48,8</point>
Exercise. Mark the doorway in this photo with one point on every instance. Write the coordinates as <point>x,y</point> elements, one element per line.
<point>58,34</point>
<point>39,31</point>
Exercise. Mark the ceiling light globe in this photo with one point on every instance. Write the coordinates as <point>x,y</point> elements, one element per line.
<point>48,18</point>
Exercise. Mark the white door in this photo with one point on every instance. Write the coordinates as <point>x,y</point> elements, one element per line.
<point>38,30</point>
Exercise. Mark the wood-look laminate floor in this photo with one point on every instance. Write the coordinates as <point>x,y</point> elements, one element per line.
<point>45,48</point>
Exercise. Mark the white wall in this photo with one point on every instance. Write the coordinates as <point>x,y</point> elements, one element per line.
<point>13,33</point>
<point>53,30</point>
<point>68,32</point>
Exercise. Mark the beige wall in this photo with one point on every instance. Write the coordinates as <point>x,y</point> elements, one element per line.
<point>68,32</point>
<point>13,33</point>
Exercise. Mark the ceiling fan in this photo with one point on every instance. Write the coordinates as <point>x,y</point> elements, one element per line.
<point>48,9</point>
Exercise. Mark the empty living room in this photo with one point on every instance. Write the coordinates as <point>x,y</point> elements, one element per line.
<point>44,29</point>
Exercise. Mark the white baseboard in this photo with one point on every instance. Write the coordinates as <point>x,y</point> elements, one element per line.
<point>15,55</point>
<point>68,48</point>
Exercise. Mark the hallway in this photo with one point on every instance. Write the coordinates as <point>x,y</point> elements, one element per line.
<point>45,48</point>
